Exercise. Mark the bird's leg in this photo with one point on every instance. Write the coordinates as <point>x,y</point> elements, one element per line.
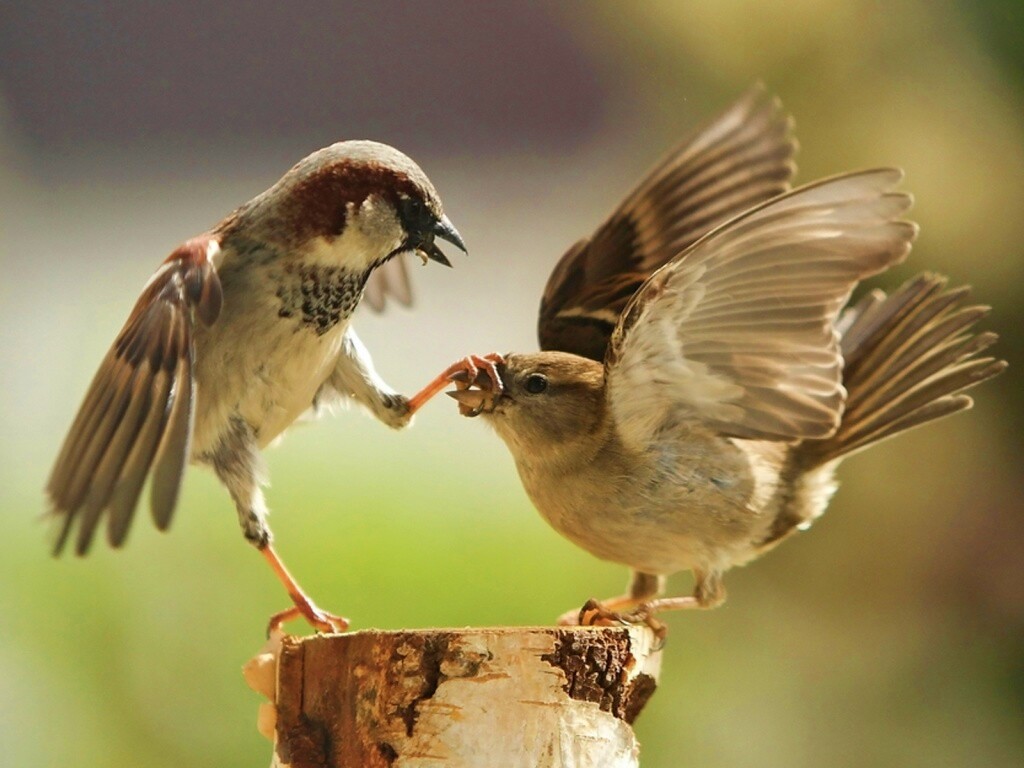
<point>304,607</point>
<point>641,604</point>
<point>354,376</point>
<point>642,587</point>
<point>236,461</point>
<point>708,592</point>
<point>466,370</point>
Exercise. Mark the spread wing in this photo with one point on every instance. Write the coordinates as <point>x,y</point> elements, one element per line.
<point>136,419</point>
<point>739,159</point>
<point>738,332</point>
<point>390,279</point>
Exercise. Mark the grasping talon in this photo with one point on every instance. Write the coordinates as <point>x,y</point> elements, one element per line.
<point>464,374</point>
<point>303,606</point>
<point>593,614</point>
<point>466,371</point>
<point>319,619</point>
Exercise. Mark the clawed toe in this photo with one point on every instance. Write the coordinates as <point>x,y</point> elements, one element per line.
<point>320,620</point>
<point>594,614</point>
<point>466,372</point>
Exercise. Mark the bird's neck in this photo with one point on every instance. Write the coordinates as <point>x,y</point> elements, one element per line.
<point>572,453</point>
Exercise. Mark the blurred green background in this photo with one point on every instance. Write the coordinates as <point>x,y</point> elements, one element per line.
<point>890,635</point>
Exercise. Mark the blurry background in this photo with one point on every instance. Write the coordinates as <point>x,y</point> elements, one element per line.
<point>891,635</point>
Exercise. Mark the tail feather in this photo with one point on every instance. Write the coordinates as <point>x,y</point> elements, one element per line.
<point>908,358</point>
<point>935,369</point>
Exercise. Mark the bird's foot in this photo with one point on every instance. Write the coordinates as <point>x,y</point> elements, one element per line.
<point>319,619</point>
<point>477,383</point>
<point>464,373</point>
<point>595,614</point>
<point>394,410</point>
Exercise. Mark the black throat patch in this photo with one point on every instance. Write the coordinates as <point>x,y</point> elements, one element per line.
<point>319,296</point>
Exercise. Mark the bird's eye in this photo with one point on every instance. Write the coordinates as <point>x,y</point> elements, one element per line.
<point>413,210</point>
<point>536,383</point>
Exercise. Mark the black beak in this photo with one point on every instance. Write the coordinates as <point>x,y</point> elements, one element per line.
<point>422,241</point>
<point>444,229</point>
<point>447,231</point>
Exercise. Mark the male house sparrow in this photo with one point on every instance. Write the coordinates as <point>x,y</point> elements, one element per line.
<point>698,385</point>
<point>241,331</point>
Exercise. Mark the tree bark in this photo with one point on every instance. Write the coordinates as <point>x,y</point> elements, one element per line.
<point>459,698</point>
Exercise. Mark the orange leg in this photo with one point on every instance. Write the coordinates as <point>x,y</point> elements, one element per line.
<point>320,620</point>
<point>470,366</point>
<point>662,604</point>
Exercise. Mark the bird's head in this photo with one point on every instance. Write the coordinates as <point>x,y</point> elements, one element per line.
<point>549,401</point>
<point>354,204</point>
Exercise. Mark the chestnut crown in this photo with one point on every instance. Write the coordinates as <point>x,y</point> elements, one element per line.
<point>360,191</point>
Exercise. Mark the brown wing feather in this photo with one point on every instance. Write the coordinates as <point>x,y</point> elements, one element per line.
<point>174,447</point>
<point>738,332</point>
<point>741,158</point>
<point>137,413</point>
<point>908,359</point>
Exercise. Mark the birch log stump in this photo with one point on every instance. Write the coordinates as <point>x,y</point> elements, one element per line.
<point>459,698</point>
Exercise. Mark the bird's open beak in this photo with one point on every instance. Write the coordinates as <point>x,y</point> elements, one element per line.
<point>445,230</point>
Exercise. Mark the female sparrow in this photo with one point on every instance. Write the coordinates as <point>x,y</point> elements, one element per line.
<point>699,384</point>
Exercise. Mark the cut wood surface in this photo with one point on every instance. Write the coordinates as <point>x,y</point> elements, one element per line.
<point>541,696</point>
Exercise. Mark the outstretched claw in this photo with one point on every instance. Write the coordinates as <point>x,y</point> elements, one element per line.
<point>319,619</point>
<point>468,370</point>
<point>464,373</point>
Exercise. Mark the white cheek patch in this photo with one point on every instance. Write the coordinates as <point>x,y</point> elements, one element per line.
<point>372,231</point>
<point>376,222</point>
<point>376,219</point>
